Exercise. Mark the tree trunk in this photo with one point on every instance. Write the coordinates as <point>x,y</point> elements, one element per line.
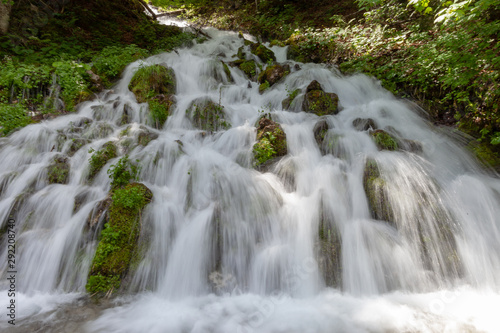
<point>4,17</point>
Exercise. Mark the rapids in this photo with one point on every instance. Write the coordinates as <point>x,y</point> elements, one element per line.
<point>229,248</point>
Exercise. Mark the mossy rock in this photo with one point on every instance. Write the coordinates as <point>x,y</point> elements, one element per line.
<point>58,171</point>
<point>376,194</point>
<point>320,131</point>
<point>207,115</point>
<point>160,107</point>
<point>319,102</point>
<point>145,137</point>
<point>271,141</point>
<point>76,144</point>
<point>101,157</point>
<point>384,140</point>
<point>265,54</point>
<point>227,72</point>
<point>152,80</point>
<point>118,239</point>
<point>249,67</point>
<point>329,252</point>
<point>273,74</point>
<point>362,124</point>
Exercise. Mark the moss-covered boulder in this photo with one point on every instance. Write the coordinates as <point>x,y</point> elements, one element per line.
<point>227,72</point>
<point>274,73</point>
<point>249,67</point>
<point>58,171</point>
<point>207,115</point>
<point>100,158</point>
<point>384,140</point>
<point>271,141</point>
<point>153,80</point>
<point>319,102</point>
<point>75,145</point>
<point>156,85</point>
<point>265,54</point>
<point>118,239</point>
<point>376,194</point>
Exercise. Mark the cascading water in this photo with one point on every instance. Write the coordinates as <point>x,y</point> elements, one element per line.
<point>294,247</point>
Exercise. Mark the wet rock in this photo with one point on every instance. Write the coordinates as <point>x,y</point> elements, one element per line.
<point>375,190</point>
<point>249,67</point>
<point>319,102</point>
<point>271,141</point>
<point>273,74</point>
<point>265,54</point>
<point>126,115</point>
<point>207,115</point>
<point>76,144</point>
<point>320,130</point>
<point>362,124</point>
<point>96,81</point>
<point>411,145</point>
<point>99,214</point>
<point>58,171</point>
<point>98,131</point>
<point>289,102</point>
<point>227,72</point>
<point>328,251</point>
<point>101,157</point>
<point>146,137</point>
<point>384,140</point>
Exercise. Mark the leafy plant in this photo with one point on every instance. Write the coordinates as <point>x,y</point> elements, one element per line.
<point>122,172</point>
<point>12,116</point>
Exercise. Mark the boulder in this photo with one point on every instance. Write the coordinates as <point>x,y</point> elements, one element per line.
<point>319,102</point>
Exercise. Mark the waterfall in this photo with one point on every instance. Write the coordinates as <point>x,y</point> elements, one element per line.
<point>295,245</point>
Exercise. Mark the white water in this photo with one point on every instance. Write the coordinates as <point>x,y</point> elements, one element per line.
<point>232,249</point>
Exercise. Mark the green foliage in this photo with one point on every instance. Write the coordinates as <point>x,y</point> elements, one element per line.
<point>384,140</point>
<point>264,86</point>
<point>248,67</point>
<point>123,172</point>
<point>149,81</point>
<point>118,238</point>
<point>58,171</point>
<point>130,198</point>
<point>111,61</point>
<point>159,112</point>
<point>12,116</point>
<point>264,149</point>
<point>100,158</point>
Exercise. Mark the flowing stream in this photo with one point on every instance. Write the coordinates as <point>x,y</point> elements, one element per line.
<point>227,247</point>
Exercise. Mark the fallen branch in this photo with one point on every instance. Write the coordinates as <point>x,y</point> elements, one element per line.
<point>145,5</point>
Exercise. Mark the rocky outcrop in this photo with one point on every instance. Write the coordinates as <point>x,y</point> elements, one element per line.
<point>319,102</point>
<point>376,194</point>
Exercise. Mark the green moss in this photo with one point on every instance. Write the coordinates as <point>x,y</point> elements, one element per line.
<point>320,103</point>
<point>265,54</point>
<point>58,171</point>
<point>264,86</point>
<point>100,158</point>
<point>384,140</point>
<point>271,141</point>
<point>248,67</point>
<point>227,71</point>
<point>152,80</point>
<point>118,238</point>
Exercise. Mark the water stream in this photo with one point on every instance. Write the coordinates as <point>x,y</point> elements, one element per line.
<point>229,248</point>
